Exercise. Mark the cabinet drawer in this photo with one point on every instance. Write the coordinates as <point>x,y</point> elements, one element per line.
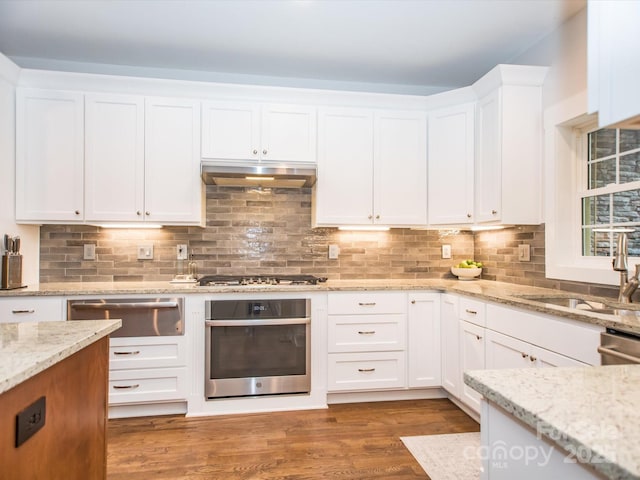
<point>147,352</point>
<point>150,385</point>
<point>366,371</point>
<point>30,309</point>
<point>472,311</point>
<point>360,333</point>
<point>367,303</point>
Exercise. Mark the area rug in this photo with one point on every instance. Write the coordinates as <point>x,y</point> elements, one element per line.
<point>447,457</point>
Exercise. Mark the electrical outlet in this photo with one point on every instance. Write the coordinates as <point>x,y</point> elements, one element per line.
<point>524,252</point>
<point>334,252</point>
<point>446,251</point>
<point>89,251</point>
<point>30,420</point>
<point>145,252</point>
<point>181,251</point>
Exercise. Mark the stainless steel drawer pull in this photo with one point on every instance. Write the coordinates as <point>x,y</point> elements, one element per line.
<point>131,305</point>
<point>120,387</point>
<point>366,369</point>
<point>367,332</point>
<point>366,304</point>
<point>471,312</point>
<point>135,352</point>
<point>27,310</point>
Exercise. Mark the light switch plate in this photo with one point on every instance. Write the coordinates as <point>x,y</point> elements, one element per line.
<point>89,251</point>
<point>524,252</point>
<point>145,252</point>
<point>181,252</point>
<point>334,252</point>
<point>446,251</point>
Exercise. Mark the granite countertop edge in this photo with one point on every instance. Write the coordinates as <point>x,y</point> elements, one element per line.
<point>59,352</point>
<point>598,460</point>
<point>504,293</point>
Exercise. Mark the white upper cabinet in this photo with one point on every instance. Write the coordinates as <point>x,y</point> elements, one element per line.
<point>508,159</point>
<point>173,188</point>
<point>235,131</point>
<point>371,168</point>
<point>613,62</point>
<point>49,156</point>
<point>451,161</point>
<point>114,157</point>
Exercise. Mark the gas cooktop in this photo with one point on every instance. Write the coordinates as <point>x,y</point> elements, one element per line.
<point>211,280</point>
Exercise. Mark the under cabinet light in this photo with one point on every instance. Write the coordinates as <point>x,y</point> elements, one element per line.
<point>482,228</point>
<point>364,228</point>
<point>130,225</point>
<point>257,179</point>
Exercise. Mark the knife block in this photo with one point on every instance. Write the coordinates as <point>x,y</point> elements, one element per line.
<point>11,272</point>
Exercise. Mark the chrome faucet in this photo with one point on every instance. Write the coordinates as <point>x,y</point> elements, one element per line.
<point>627,287</point>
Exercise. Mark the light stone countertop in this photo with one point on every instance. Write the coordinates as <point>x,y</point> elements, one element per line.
<point>28,348</point>
<point>506,293</point>
<point>594,411</point>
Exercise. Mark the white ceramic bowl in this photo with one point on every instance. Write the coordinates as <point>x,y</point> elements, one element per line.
<point>466,273</point>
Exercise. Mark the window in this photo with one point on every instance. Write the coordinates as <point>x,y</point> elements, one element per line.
<point>609,194</point>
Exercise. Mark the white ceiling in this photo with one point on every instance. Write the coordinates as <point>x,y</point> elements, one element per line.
<point>382,45</point>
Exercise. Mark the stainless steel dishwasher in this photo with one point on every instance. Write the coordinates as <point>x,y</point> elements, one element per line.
<point>619,348</point>
<point>141,317</point>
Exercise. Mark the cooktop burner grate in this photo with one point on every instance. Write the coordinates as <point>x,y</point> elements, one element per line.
<point>210,280</point>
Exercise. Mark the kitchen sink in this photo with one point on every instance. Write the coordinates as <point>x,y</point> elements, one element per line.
<point>584,304</point>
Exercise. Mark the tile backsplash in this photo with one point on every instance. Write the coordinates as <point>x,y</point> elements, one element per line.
<point>262,232</point>
<point>248,231</point>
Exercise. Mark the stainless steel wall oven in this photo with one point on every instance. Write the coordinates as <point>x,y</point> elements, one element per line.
<point>257,347</point>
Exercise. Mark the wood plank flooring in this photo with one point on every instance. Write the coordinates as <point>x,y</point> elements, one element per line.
<point>348,441</point>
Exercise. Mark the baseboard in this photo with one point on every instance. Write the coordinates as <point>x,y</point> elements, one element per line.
<point>472,413</point>
<point>385,396</point>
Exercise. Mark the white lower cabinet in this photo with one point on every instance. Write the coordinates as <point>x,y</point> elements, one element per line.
<point>147,370</point>
<point>367,334</point>
<point>423,349</point>
<point>450,344</point>
<point>30,309</point>
<point>472,353</point>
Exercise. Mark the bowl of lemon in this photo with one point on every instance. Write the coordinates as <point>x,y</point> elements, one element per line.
<point>467,270</point>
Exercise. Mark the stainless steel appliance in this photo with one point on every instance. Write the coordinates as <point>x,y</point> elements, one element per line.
<point>254,174</point>
<point>618,348</point>
<point>257,347</point>
<point>233,280</point>
<point>141,317</point>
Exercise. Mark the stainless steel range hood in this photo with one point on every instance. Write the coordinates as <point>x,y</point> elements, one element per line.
<point>277,176</point>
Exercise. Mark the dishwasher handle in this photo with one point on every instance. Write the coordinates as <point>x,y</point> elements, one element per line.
<point>121,305</point>
<point>617,354</point>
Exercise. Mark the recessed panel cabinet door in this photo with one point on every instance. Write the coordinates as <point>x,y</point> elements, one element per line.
<point>344,189</point>
<point>400,168</point>
<point>451,157</point>
<point>288,133</point>
<point>114,158</point>
<point>472,352</point>
<point>49,156</point>
<point>450,344</point>
<point>230,130</point>
<point>173,189</point>
<point>424,340</point>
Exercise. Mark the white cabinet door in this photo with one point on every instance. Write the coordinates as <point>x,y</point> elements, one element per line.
<point>344,189</point>
<point>230,130</point>
<point>400,168</point>
<point>613,61</point>
<point>472,351</point>
<point>488,178</point>
<point>450,344</point>
<point>173,189</point>
<point>288,133</point>
<point>30,309</point>
<point>451,158</point>
<point>49,156</point>
<point>424,340</point>
<point>114,157</point>
<point>507,352</point>
<point>546,358</point>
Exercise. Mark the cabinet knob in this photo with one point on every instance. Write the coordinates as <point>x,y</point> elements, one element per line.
<point>264,152</point>
<point>77,212</point>
<point>370,217</point>
<point>377,217</point>
<point>255,152</point>
<point>413,302</point>
<point>532,358</point>
<point>493,212</point>
<point>478,337</point>
<point>138,212</point>
<point>468,215</point>
<point>524,355</point>
<point>147,213</point>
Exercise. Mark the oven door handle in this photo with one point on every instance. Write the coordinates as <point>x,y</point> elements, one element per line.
<point>617,354</point>
<point>257,322</point>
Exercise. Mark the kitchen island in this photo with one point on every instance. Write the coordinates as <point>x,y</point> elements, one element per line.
<point>560,422</point>
<point>53,376</point>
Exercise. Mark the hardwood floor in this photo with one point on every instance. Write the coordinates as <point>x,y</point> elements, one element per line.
<point>348,441</point>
